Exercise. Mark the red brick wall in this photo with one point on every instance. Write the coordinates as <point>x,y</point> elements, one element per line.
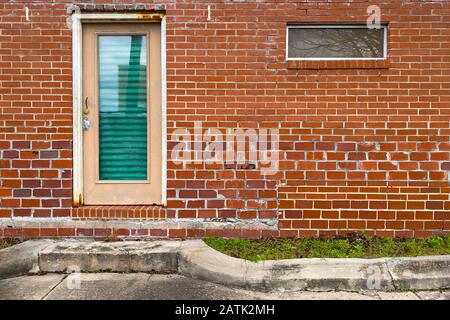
<point>363,146</point>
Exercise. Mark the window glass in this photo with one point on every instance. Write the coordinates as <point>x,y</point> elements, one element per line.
<point>123,107</point>
<point>333,42</point>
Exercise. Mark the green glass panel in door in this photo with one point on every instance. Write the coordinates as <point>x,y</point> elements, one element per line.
<point>123,107</point>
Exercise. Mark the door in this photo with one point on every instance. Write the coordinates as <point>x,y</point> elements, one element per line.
<point>122,113</point>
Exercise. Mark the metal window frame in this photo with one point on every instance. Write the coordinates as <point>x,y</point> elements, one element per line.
<point>336,26</point>
<point>77,68</point>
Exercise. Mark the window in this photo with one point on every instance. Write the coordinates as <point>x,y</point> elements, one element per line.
<point>122,141</point>
<point>122,69</point>
<point>336,42</point>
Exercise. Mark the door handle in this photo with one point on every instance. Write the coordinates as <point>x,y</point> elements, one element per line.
<point>86,106</point>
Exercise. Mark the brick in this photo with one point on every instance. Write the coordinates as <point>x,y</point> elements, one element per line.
<point>435,205</point>
<point>177,233</point>
<point>10,154</point>
<point>157,232</point>
<point>363,144</point>
<point>445,166</point>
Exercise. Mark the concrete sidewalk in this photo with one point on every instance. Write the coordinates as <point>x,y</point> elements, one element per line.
<point>143,286</point>
<point>193,259</point>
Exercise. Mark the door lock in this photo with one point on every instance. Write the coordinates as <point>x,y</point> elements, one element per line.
<point>86,122</point>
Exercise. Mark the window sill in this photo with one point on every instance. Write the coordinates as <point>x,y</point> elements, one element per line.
<point>337,64</point>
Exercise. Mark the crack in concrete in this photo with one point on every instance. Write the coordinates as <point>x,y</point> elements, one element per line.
<point>415,293</point>
<point>54,287</point>
<point>390,275</point>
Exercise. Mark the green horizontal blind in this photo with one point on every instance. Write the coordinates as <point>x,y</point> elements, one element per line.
<point>123,107</point>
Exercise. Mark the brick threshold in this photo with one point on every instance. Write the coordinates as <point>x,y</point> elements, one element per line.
<point>119,212</point>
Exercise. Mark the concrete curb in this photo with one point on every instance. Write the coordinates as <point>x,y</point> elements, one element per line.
<point>21,258</point>
<point>198,260</point>
<point>195,259</point>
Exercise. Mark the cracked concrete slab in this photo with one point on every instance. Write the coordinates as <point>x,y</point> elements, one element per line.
<point>28,287</point>
<point>326,295</point>
<point>420,273</point>
<point>21,258</point>
<point>143,286</point>
<point>398,296</point>
<point>434,295</point>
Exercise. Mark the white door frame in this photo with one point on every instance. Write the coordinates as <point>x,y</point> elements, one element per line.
<point>77,78</point>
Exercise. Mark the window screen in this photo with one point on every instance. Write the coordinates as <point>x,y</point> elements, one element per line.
<point>328,42</point>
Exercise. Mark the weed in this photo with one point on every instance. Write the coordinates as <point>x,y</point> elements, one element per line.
<point>352,246</point>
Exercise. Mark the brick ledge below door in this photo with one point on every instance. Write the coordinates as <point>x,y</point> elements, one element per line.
<point>137,228</point>
<point>119,212</point>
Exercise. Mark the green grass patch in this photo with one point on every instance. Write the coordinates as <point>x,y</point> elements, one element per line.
<point>352,246</point>
<point>5,243</point>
